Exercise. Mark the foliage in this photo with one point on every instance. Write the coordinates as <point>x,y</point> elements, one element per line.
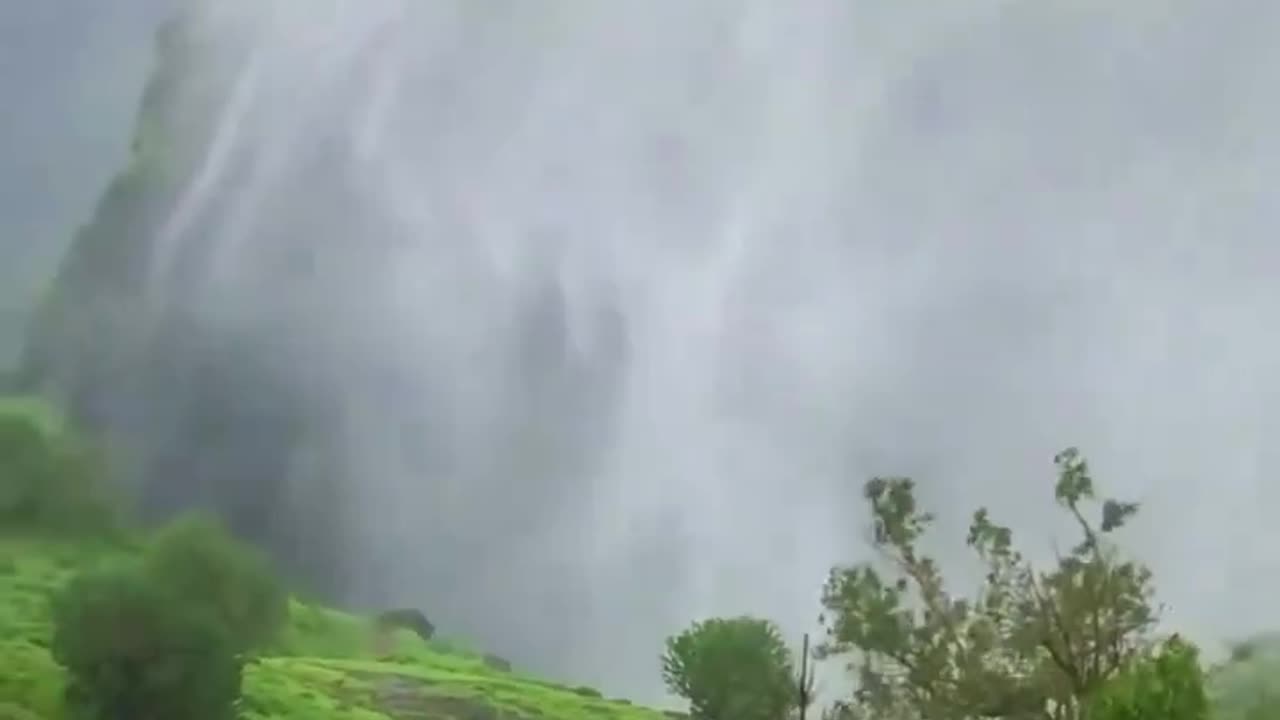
<point>1170,685</point>
<point>9,711</point>
<point>133,650</point>
<point>731,669</point>
<point>50,479</point>
<point>205,567</point>
<point>1032,644</point>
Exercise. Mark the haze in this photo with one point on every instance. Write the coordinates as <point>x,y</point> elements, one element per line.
<point>632,296</point>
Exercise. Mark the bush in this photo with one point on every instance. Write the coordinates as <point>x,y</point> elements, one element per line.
<point>133,650</point>
<point>50,479</point>
<point>1167,686</point>
<point>197,560</point>
<point>731,669</point>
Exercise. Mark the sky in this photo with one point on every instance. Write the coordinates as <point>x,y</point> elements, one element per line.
<point>785,247</point>
<point>71,72</point>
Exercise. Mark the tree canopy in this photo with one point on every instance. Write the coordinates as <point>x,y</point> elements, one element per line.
<point>1033,643</point>
<point>731,669</point>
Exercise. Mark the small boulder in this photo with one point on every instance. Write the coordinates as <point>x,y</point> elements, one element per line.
<point>497,663</point>
<point>406,619</point>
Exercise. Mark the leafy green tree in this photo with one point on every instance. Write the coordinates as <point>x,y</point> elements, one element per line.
<point>731,669</point>
<point>201,563</point>
<point>1033,644</point>
<point>133,650</point>
<point>1169,685</point>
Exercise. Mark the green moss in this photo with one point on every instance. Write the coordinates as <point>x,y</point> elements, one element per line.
<point>324,666</point>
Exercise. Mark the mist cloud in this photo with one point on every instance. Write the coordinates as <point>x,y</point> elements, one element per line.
<point>617,307</point>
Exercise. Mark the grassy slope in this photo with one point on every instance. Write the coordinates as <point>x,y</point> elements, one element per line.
<point>323,668</point>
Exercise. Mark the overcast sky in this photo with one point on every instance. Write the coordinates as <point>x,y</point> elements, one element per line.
<point>70,75</point>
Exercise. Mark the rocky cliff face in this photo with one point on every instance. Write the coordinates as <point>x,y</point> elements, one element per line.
<point>199,417</point>
<point>278,387</point>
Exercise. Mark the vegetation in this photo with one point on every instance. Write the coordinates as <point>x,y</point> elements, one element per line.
<point>100,622</point>
<point>731,669</point>
<point>166,636</point>
<point>50,479</point>
<point>205,568</point>
<point>1168,686</point>
<point>186,622</point>
<point>1074,640</point>
<point>1032,643</point>
<point>133,649</point>
<point>99,619</point>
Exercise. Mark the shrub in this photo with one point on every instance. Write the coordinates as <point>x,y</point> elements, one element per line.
<point>50,479</point>
<point>9,711</point>
<point>203,565</point>
<point>133,650</point>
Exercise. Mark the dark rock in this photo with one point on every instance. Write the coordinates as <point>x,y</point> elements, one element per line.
<point>407,619</point>
<point>497,663</point>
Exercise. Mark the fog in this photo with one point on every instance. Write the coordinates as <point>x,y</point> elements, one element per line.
<point>613,306</point>
<point>70,75</point>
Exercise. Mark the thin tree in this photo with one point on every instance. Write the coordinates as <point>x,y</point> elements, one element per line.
<point>1034,644</point>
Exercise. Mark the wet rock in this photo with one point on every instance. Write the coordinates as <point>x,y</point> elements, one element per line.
<point>406,619</point>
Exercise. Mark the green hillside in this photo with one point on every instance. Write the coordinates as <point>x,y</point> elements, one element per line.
<point>324,667</point>
<point>57,522</point>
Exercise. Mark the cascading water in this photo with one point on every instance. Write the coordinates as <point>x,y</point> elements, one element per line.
<point>598,313</point>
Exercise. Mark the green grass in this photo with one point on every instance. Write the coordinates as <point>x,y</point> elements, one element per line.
<point>323,667</point>
<point>37,411</point>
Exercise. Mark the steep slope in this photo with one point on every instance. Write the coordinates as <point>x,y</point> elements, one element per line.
<point>177,395</point>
